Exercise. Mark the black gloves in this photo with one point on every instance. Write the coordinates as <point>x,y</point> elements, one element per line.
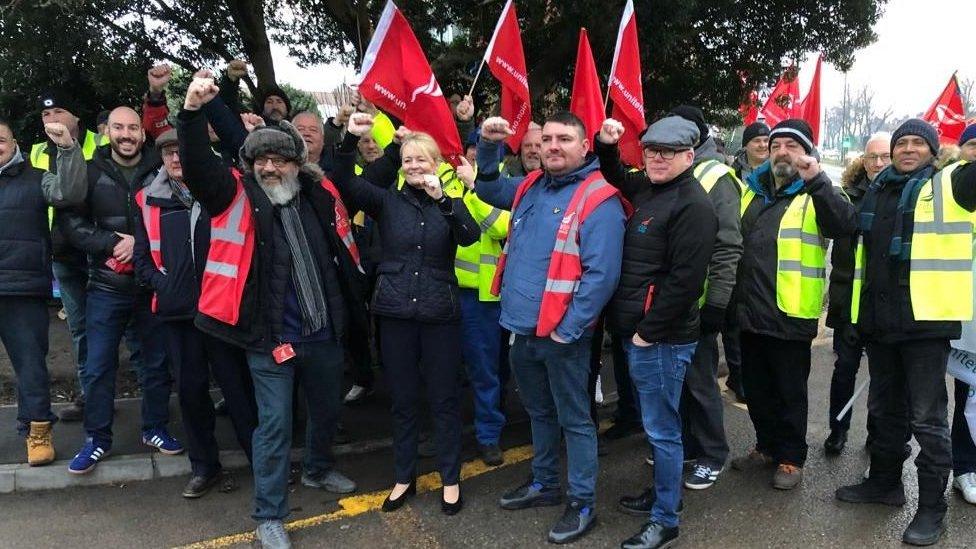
<point>712,319</point>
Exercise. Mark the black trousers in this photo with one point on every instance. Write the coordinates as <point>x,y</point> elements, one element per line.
<point>732,347</point>
<point>417,354</point>
<point>844,379</point>
<point>963,449</point>
<point>908,395</point>
<point>774,374</point>
<point>702,413</point>
<point>195,355</point>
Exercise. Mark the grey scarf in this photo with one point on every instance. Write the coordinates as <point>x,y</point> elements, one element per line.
<point>304,272</point>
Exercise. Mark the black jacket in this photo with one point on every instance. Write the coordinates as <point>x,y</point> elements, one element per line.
<point>667,249</point>
<point>842,264</point>
<point>262,307</point>
<point>756,287</point>
<point>415,277</point>
<point>184,255</point>
<point>886,306</point>
<point>107,209</point>
<point>25,243</point>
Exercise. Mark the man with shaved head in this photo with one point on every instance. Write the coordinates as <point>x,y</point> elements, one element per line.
<point>102,227</point>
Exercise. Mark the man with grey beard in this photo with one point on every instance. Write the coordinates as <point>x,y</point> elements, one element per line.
<point>790,208</point>
<point>283,282</point>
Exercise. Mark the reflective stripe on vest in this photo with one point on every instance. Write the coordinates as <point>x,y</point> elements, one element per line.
<point>151,220</point>
<point>710,171</point>
<point>940,280</point>
<point>229,259</point>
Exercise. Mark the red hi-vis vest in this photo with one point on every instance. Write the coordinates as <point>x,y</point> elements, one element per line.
<point>232,239</point>
<point>565,267</point>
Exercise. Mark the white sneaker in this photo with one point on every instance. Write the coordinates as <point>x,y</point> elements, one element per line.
<point>356,392</point>
<point>966,484</point>
<point>599,391</point>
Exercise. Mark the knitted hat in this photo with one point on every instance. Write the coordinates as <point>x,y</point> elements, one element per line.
<point>921,128</point>
<point>797,129</point>
<point>754,130</point>
<point>695,115</point>
<point>967,134</point>
<point>282,139</point>
<point>56,98</point>
<point>671,132</point>
<point>272,91</point>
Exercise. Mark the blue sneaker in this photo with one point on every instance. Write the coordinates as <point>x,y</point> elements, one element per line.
<point>159,438</point>
<point>88,457</point>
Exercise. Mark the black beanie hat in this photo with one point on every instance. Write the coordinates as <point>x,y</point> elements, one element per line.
<point>56,98</point>
<point>754,130</point>
<point>276,91</point>
<point>796,129</point>
<point>693,114</point>
<point>921,128</point>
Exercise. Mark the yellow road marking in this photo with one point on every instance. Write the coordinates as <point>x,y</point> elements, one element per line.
<point>357,505</point>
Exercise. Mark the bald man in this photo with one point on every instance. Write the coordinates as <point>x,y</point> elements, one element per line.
<point>102,228</point>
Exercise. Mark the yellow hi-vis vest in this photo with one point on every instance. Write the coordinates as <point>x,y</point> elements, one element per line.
<point>40,159</point>
<point>708,173</point>
<point>475,265</point>
<point>940,279</point>
<point>801,258</point>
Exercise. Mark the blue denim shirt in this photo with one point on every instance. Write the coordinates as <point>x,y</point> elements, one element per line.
<point>533,236</point>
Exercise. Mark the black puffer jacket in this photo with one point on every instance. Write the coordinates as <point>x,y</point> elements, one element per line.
<point>25,244</point>
<point>842,262</point>
<point>107,209</point>
<point>415,277</point>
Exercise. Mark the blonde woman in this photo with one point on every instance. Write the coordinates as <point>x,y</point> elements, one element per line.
<point>416,300</point>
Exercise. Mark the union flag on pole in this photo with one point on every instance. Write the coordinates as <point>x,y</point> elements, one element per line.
<point>397,78</point>
<point>506,61</point>
<point>626,89</point>
<point>587,100</point>
<point>809,108</point>
<point>784,101</point>
<point>947,113</point>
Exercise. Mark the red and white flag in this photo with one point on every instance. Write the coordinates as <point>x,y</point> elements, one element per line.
<point>784,100</point>
<point>749,107</point>
<point>810,106</point>
<point>506,61</point>
<point>947,114</point>
<point>397,78</point>
<point>626,89</point>
<point>587,100</point>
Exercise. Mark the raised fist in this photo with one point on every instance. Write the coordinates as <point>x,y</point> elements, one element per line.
<point>251,121</point>
<point>495,129</point>
<point>400,134</point>
<point>611,131</point>
<point>158,77</point>
<point>342,117</point>
<point>200,92</point>
<point>465,109</point>
<point>432,186</point>
<point>59,134</point>
<point>203,73</point>
<point>359,124</point>
<point>807,167</point>
<point>236,69</point>
<point>465,172</point>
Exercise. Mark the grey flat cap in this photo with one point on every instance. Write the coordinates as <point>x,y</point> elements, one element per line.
<point>671,132</point>
<point>168,137</point>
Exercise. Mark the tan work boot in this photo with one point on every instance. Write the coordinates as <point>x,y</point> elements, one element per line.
<point>787,476</point>
<point>40,447</point>
<point>752,461</point>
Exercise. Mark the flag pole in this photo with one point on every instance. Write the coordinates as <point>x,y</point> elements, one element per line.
<point>476,76</point>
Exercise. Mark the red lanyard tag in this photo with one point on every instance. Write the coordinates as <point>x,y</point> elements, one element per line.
<point>282,353</point>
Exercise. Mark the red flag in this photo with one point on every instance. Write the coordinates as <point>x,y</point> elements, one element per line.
<point>749,108</point>
<point>809,109</point>
<point>626,89</point>
<point>397,78</point>
<point>506,61</point>
<point>783,101</point>
<point>587,100</point>
<point>947,113</point>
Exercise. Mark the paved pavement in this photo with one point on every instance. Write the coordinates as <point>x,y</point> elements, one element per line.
<point>741,510</point>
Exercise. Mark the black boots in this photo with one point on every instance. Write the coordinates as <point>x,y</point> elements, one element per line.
<point>873,491</point>
<point>926,527</point>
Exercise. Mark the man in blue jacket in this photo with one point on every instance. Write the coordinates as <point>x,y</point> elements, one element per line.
<point>563,255</point>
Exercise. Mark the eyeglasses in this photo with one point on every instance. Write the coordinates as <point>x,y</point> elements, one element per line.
<point>172,152</point>
<point>884,157</point>
<point>666,154</point>
<point>276,162</point>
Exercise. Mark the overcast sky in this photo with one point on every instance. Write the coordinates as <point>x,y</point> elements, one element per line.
<point>920,43</point>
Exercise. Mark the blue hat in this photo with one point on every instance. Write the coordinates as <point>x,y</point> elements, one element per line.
<point>967,134</point>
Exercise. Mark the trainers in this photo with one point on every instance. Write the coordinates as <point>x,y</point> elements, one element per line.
<point>74,411</point>
<point>576,521</point>
<point>598,394</point>
<point>356,394</point>
<point>530,494</point>
<point>491,454</point>
<point>272,535</point>
<point>755,459</point>
<point>333,481</point>
<point>873,491</point>
<point>702,478</point>
<point>787,476</point>
<point>40,447</point>
<point>88,457</point>
<point>966,484</point>
<point>160,439</point>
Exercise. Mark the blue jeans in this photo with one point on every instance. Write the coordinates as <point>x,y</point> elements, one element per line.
<point>552,379</point>
<point>108,315</point>
<point>318,364</point>
<point>480,342</point>
<point>73,281</point>
<point>23,332</point>
<point>658,372</point>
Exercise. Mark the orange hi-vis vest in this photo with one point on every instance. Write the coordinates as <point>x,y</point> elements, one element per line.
<point>565,267</point>
<point>232,237</point>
